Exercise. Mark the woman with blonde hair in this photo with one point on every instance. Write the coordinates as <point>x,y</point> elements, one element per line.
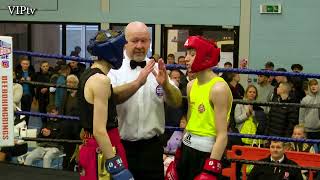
<point>245,115</point>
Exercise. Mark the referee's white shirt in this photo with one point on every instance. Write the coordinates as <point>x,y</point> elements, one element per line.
<point>142,115</point>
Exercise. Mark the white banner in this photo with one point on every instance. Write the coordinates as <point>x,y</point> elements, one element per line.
<point>6,96</point>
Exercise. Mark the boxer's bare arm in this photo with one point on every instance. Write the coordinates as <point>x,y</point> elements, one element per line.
<point>125,91</point>
<point>221,99</point>
<point>97,92</point>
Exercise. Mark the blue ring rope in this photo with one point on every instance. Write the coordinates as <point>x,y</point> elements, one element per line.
<point>171,128</point>
<point>179,66</point>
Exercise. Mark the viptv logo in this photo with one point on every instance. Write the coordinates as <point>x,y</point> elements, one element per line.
<point>21,10</point>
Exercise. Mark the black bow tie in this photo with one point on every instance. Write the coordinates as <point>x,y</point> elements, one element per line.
<point>134,64</point>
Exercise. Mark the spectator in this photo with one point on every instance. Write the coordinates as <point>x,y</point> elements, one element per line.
<point>270,67</point>
<point>173,144</point>
<point>26,74</point>
<point>70,129</point>
<point>237,90</point>
<point>298,82</point>
<point>181,60</point>
<point>141,117</point>
<point>171,59</point>
<point>227,65</point>
<point>262,172</point>
<point>281,120</point>
<point>299,133</point>
<point>246,121</point>
<point>76,68</point>
<point>76,51</point>
<point>265,89</point>
<point>47,150</point>
<point>296,68</point>
<point>42,92</point>
<point>225,74</point>
<point>310,117</point>
<point>174,115</point>
<point>61,92</point>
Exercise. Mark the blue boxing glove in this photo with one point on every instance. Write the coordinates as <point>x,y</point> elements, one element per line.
<point>117,170</point>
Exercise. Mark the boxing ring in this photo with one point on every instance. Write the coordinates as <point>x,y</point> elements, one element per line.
<point>13,172</point>
<point>19,172</point>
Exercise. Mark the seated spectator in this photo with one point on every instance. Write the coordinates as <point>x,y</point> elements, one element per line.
<point>47,150</point>
<point>175,140</point>
<point>277,155</point>
<point>299,133</point>
<point>173,144</point>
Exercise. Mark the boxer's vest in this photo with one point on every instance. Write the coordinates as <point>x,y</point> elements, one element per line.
<point>86,109</point>
<point>202,116</point>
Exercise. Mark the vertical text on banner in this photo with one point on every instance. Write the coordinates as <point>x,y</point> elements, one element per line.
<point>6,94</point>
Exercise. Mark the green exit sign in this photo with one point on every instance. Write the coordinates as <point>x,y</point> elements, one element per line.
<point>270,9</point>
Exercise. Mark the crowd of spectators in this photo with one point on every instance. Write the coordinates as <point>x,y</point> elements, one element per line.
<point>280,121</point>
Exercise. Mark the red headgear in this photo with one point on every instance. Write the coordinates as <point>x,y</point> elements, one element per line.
<point>207,53</point>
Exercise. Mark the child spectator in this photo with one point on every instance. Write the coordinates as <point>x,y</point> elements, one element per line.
<point>299,133</point>
<point>173,144</point>
<point>47,150</point>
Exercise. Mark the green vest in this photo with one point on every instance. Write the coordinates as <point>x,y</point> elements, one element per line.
<point>202,116</point>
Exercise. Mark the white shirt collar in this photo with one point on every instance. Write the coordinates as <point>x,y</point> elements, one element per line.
<point>280,160</point>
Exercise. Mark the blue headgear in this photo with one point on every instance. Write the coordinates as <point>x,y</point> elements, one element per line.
<point>108,45</point>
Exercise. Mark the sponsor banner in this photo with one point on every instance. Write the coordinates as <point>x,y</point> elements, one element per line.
<point>6,96</point>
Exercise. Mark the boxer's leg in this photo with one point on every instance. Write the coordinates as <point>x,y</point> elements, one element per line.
<point>88,162</point>
<point>116,142</point>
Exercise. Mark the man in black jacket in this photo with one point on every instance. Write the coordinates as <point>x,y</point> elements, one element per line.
<point>47,150</point>
<point>275,173</point>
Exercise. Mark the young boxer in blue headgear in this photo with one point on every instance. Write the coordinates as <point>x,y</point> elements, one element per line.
<point>102,151</point>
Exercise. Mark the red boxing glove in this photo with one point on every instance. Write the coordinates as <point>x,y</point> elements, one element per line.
<point>172,173</point>
<point>211,169</point>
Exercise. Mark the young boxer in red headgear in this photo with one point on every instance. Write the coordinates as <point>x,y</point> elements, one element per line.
<point>210,101</point>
